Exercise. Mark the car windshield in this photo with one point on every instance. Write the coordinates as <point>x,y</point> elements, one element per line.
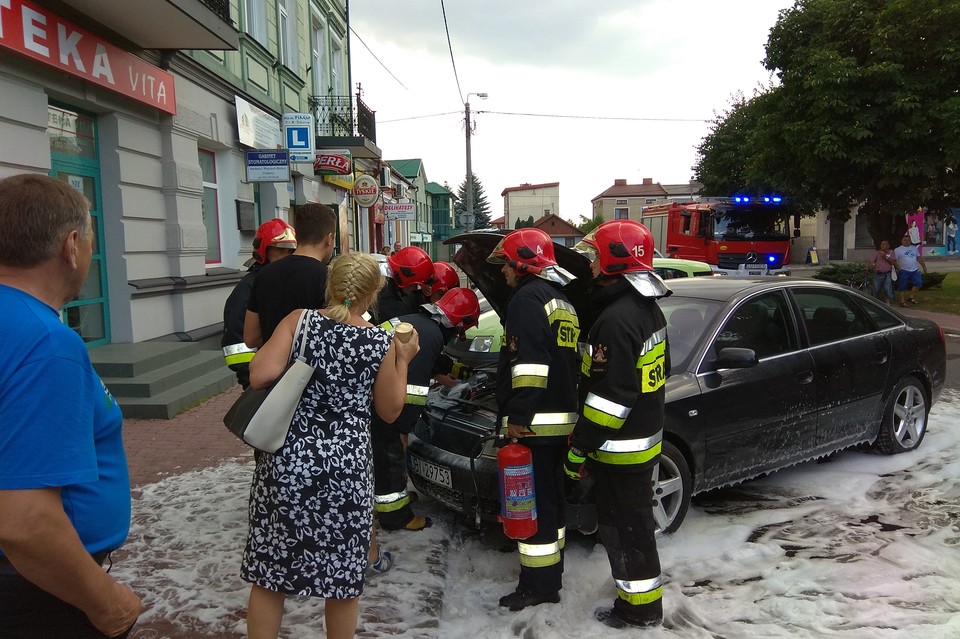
<point>754,223</point>
<point>687,320</point>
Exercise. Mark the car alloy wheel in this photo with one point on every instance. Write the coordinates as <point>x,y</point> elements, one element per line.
<point>904,417</point>
<point>671,490</point>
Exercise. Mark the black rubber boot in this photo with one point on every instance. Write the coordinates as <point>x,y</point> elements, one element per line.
<point>613,619</point>
<point>520,599</point>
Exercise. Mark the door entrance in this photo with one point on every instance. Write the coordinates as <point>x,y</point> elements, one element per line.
<point>74,159</point>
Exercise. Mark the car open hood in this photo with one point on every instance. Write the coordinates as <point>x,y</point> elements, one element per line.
<point>472,259</point>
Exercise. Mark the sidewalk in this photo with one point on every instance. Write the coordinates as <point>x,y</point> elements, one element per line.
<point>192,440</point>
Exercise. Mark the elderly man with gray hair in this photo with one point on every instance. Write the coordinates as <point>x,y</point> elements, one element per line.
<point>64,483</point>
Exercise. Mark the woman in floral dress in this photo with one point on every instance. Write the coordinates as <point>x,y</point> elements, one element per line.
<point>311,503</point>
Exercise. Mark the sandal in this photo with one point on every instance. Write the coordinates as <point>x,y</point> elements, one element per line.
<point>903,304</point>
<point>913,301</point>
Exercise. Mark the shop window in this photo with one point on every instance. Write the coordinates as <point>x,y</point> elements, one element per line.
<point>210,205</point>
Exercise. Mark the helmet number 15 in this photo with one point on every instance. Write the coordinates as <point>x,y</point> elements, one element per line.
<point>638,251</point>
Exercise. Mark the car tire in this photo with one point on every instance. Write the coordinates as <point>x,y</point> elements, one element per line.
<point>904,418</point>
<point>671,491</point>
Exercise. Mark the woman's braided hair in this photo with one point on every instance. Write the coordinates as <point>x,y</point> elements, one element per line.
<point>353,282</point>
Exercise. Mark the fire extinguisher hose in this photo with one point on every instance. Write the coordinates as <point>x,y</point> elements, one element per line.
<point>474,455</point>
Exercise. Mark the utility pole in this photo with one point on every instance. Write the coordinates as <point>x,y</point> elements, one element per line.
<point>469,219</point>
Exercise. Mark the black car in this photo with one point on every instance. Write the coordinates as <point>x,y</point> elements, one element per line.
<point>766,373</point>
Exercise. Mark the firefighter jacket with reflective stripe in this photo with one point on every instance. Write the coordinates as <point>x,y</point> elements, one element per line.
<point>236,354</point>
<point>537,369</point>
<point>622,380</point>
<point>393,302</point>
<point>429,361</point>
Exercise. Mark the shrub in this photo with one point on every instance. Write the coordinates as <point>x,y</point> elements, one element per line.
<point>854,274</point>
<point>932,280</point>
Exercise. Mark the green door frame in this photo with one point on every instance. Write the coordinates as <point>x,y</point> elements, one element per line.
<point>84,167</point>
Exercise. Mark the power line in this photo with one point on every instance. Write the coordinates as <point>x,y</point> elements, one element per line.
<point>420,117</point>
<point>593,117</point>
<point>453,62</point>
<point>377,59</point>
<point>547,115</point>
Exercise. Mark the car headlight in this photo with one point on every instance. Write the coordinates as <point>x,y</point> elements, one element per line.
<point>481,344</point>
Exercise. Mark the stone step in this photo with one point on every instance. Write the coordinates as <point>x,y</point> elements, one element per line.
<point>172,402</point>
<point>132,360</point>
<point>166,377</point>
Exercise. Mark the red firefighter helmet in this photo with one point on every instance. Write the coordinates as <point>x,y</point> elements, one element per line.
<point>622,246</point>
<point>446,277</point>
<point>460,307</point>
<point>411,265</point>
<point>273,232</point>
<point>529,246</point>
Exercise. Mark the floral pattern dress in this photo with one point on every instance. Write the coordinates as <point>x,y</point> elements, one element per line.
<point>311,503</point>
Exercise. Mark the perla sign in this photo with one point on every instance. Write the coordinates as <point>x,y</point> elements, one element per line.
<point>366,190</point>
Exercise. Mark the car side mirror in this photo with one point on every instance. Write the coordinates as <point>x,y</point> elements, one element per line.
<point>733,357</point>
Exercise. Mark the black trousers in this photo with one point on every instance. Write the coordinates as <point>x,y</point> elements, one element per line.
<point>628,532</point>
<point>548,485</point>
<point>389,473</point>
<point>28,612</point>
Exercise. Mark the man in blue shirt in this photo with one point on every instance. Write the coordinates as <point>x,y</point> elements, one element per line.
<point>64,484</point>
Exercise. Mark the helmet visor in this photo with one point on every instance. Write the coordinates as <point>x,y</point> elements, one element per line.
<point>588,245</point>
<point>498,255</point>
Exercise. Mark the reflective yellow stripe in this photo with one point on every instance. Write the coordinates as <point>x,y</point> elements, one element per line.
<point>238,354</point>
<point>390,324</point>
<point>624,452</point>
<point>553,424</point>
<point>539,555</point>
<point>604,413</point>
<point>652,362</point>
<point>417,395</point>
<point>586,361</point>
<point>562,537</point>
<point>529,375</point>
<point>568,332</point>
<point>391,502</point>
<point>641,591</point>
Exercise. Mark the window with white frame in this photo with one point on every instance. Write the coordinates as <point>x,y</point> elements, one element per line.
<point>621,214</point>
<point>255,19</point>
<point>318,56</point>
<point>336,64</point>
<point>210,204</point>
<point>286,33</point>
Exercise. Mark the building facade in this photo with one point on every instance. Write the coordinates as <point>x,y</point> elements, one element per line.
<point>529,202</point>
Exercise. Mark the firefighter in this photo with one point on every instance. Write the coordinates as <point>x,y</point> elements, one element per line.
<point>537,397</point>
<point>620,428</point>
<point>274,239</point>
<point>445,278</point>
<point>410,270</point>
<point>436,323</point>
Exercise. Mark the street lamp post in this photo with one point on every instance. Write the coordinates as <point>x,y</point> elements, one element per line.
<point>468,222</point>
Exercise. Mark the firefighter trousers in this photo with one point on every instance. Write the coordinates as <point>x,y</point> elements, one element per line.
<point>541,556</point>
<point>627,530</point>
<point>391,500</point>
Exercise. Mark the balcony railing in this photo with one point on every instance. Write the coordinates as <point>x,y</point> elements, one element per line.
<point>336,117</point>
<point>219,7</point>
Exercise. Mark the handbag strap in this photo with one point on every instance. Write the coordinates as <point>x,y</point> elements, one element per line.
<point>299,334</point>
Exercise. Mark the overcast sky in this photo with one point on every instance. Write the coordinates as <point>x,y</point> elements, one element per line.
<point>672,65</point>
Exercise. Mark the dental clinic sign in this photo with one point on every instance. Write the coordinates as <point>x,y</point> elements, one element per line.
<point>38,33</point>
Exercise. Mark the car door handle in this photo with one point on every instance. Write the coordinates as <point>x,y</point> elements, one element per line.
<point>805,377</point>
<point>881,357</point>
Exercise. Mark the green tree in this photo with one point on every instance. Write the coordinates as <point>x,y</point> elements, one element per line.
<point>588,224</point>
<point>521,224</point>
<point>481,208</point>
<point>866,111</point>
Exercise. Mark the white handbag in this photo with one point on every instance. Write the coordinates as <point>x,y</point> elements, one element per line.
<point>261,417</point>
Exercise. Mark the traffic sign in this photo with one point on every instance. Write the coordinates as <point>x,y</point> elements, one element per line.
<point>298,134</point>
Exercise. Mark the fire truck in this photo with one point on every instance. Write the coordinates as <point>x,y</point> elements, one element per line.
<point>741,235</point>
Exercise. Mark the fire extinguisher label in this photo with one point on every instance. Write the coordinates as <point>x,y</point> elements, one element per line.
<point>517,488</point>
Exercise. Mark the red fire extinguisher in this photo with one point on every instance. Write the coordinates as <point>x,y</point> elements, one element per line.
<point>518,504</point>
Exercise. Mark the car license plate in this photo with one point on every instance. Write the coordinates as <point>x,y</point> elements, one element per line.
<point>431,472</point>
